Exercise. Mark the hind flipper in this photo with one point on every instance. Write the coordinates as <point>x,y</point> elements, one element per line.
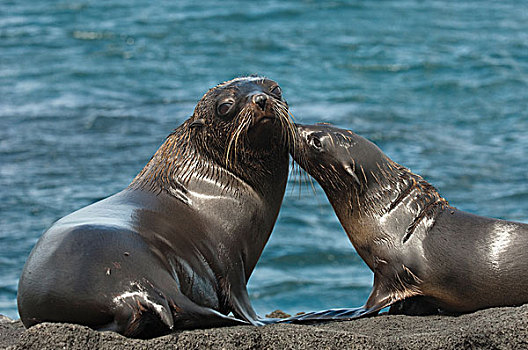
<point>329,315</point>
<point>379,298</point>
<point>241,306</point>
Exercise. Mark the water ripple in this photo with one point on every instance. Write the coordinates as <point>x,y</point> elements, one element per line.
<point>90,90</point>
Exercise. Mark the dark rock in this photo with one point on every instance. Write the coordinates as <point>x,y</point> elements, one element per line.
<point>10,332</point>
<point>499,328</point>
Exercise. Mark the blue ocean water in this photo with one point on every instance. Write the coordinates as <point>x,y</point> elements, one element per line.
<point>89,90</point>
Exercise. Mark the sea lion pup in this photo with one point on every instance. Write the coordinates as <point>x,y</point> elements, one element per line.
<point>421,250</point>
<point>176,248</point>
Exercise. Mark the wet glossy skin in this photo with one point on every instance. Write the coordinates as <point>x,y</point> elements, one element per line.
<point>175,249</point>
<point>420,249</point>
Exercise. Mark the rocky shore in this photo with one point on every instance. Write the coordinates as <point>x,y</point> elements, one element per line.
<point>498,328</point>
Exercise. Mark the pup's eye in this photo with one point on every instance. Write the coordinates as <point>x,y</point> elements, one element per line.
<point>277,91</point>
<point>224,108</point>
<point>316,142</point>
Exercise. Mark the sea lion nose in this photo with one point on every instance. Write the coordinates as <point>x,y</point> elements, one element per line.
<point>260,100</point>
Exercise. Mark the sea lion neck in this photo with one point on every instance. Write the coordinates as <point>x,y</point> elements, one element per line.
<point>184,157</point>
<point>380,185</point>
<point>367,188</point>
<point>391,184</point>
<point>183,168</point>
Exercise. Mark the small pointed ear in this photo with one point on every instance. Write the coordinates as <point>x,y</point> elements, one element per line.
<point>351,172</point>
<point>198,123</point>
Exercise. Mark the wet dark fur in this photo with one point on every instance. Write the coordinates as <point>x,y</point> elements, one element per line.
<point>175,249</point>
<point>425,254</point>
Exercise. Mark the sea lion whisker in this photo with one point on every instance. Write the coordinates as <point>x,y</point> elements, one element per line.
<point>288,127</point>
<point>228,151</point>
<point>310,181</point>
<point>290,140</point>
<point>243,126</point>
<point>243,122</point>
<point>285,139</point>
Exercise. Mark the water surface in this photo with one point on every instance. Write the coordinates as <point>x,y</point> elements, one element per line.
<point>90,89</point>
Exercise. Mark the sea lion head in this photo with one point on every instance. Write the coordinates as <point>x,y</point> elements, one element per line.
<point>338,159</point>
<point>242,124</point>
<point>355,173</point>
<point>240,128</point>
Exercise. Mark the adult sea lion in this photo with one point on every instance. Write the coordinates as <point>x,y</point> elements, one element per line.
<point>422,250</point>
<point>175,249</point>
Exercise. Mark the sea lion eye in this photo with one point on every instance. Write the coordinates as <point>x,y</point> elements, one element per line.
<point>316,143</point>
<point>277,91</point>
<point>224,108</point>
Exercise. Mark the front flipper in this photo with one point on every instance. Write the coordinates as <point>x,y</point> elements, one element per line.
<point>146,312</point>
<point>415,306</point>
<point>241,307</point>
<point>141,312</point>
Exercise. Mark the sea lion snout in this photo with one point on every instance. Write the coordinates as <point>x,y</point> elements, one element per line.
<point>262,107</point>
<point>260,100</point>
<point>266,109</point>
